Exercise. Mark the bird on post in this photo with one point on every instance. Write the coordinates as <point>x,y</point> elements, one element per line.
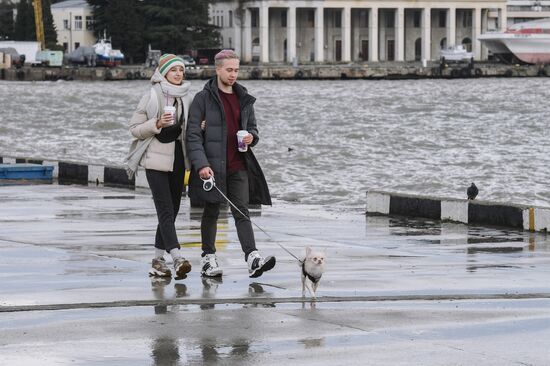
<point>472,191</point>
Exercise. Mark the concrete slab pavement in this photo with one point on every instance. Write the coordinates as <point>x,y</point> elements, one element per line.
<point>74,288</point>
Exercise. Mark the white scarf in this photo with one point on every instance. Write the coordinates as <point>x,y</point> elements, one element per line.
<point>154,109</point>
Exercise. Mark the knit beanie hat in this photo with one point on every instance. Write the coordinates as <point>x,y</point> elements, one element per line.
<point>169,60</point>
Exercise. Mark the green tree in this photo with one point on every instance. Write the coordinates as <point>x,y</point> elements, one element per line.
<point>6,20</point>
<point>50,33</point>
<point>24,29</point>
<point>122,21</point>
<point>169,25</point>
<point>177,26</point>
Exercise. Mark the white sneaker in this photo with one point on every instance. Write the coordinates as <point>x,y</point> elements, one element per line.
<point>210,267</point>
<point>257,264</point>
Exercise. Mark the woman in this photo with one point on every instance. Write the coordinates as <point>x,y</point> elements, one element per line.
<point>159,147</point>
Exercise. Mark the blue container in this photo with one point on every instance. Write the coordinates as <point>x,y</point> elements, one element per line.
<point>26,172</point>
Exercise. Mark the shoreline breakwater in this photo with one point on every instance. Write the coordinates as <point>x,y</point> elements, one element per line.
<point>374,71</point>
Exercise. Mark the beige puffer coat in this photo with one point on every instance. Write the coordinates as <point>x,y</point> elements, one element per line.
<point>158,156</point>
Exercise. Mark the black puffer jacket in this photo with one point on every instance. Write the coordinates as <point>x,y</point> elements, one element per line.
<point>209,147</point>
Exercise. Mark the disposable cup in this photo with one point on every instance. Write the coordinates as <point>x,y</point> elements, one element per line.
<point>240,143</point>
<point>172,110</point>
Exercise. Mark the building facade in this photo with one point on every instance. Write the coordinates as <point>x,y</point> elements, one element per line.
<point>520,11</point>
<point>74,22</point>
<point>354,30</point>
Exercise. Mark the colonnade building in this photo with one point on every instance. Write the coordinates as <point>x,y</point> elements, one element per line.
<point>276,31</point>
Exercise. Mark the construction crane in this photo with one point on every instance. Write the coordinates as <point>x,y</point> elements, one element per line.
<point>37,4</point>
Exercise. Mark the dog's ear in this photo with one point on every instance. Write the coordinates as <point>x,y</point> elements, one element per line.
<point>308,250</point>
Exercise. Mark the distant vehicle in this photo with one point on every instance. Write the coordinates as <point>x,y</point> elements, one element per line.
<point>206,56</point>
<point>188,60</point>
<point>456,53</point>
<point>83,56</point>
<point>17,60</point>
<point>26,48</point>
<point>49,58</point>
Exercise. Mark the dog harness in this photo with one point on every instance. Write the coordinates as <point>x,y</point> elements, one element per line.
<point>311,278</point>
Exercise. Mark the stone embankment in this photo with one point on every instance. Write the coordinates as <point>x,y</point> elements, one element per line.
<point>389,70</point>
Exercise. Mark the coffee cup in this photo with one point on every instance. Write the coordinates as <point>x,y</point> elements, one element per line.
<point>172,110</point>
<point>241,145</point>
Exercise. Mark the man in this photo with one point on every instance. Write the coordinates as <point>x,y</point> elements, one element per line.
<point>221,109</point>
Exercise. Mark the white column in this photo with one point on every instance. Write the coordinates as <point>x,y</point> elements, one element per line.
<point>264,33</point>
<point>291,34</point>
<point>451,27</point>
<point>373,34</point>
<point>400,36</point>
<point>237,34</point>
<point>476,33</point>
<point>427,34</point>
<point>247,36</point>
<point>503,19</point>
<point>346,34</point>
<point>319,35</point>
<point>484,19</point>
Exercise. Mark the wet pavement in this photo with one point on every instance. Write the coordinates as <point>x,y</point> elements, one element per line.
<point>74,288</point>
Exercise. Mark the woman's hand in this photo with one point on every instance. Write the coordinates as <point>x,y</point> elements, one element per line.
<point>165,120</point>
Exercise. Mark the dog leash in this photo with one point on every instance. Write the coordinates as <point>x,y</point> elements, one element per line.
<point>210,183</point>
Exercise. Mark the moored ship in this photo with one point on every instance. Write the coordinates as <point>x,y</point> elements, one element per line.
<point>528,42</point>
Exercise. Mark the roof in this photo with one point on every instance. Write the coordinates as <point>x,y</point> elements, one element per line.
<point>71,4</point>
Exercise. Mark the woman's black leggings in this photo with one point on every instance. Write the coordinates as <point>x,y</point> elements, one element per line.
<point>167,188</point>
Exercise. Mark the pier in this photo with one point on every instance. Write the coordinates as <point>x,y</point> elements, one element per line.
<point>380,70</point>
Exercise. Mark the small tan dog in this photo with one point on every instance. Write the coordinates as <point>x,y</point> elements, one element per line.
<point>313,267</point>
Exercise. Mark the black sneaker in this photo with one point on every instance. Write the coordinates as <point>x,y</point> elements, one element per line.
<point>257,264</point>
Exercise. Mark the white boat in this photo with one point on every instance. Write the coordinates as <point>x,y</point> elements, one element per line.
<point>106,55</point>
<point>456,53</point>
<point>528,42</point>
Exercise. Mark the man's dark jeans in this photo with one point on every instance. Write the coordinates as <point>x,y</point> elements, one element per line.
<point>167,188</point>
<point>237,192</point>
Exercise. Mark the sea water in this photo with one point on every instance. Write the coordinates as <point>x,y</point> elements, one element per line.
<point>326,142</point>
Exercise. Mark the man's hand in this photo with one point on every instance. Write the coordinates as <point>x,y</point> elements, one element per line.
<point>248,139</point>
<point>206,172</point>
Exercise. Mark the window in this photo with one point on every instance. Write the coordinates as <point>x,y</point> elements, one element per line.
<point>390,19</point>
<point>391,50</point>
<point>78,22</point>
<point>65,47</point>
<point>283,19</point>
<point>363,19</point>
<point>467,43</point>
<point>230,18</point>
<point>337,16</point>
<point>76,45</point>
<point>417,19</point>
<point>442,19</point>
<point>65,23</point>
<point>89,23</point>
<point>221,19</point>
<point>254,19</point>
<point>467,19</point>
<point>311,18</point>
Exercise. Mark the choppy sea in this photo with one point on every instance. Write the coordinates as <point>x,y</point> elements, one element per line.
<point>326,142</point>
